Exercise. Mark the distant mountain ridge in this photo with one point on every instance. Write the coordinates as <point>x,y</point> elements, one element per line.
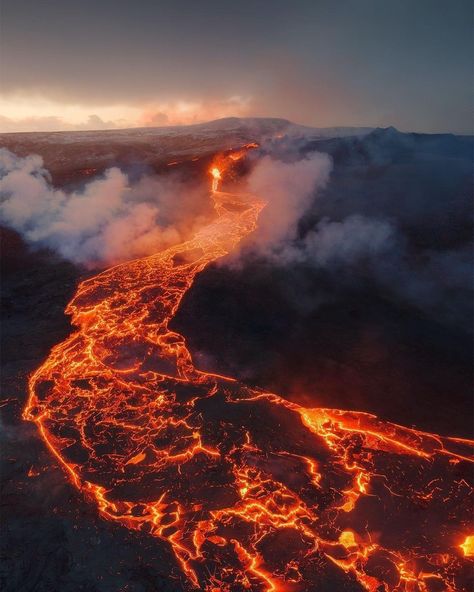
<point>388,145</point>
<point>260,126</point>
<point>71,155</point>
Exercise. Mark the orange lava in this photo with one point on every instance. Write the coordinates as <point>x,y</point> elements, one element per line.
<point>468,546</point>
<point>216,177</point>
<point>251,492</point>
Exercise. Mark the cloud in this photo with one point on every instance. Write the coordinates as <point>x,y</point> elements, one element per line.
<point>53,123</point>
<point>108,221</point>
<point>159,118</point>
<point>38,114</point>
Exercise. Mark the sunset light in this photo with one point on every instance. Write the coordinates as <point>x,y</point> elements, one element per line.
<point>236,288</point>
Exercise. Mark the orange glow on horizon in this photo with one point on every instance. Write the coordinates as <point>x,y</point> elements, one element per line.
<point>25,113</point>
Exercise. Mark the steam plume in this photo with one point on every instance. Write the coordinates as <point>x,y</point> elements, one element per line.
<point>289,189</point>
<point>108,221</point>
<point>350,242</point>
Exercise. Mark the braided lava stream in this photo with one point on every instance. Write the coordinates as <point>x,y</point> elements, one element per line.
<point>251,492</point>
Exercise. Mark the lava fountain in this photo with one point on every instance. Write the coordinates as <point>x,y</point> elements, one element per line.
<point>251,492</point>
<point>216,177</point>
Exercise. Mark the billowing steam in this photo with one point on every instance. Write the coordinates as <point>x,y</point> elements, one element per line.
<point>289,189</point>
<point>357,246</point>
<point>346,242</point>
<point>108,221</point>
<point>112,220</point>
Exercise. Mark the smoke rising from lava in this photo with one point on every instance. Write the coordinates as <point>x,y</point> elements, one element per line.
<point>292,190</point>
<point>289,189</point>
<point>108,221</point>
<point>305,226</point>
<point>112,220</point>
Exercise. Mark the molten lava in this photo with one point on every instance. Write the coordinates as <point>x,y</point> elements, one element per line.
<point>216,177</point>
<point>251,492</point>
<point>468,546</point>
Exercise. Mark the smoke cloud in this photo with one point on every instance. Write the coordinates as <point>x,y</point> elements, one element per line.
<point>108,221</point>
<point>289,189</point>
<point>354,241</point>
<point>362,249</point>
<point>349,239</point>
<point>341,243</point>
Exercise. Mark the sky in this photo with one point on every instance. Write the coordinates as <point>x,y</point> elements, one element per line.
<point>98,64</point>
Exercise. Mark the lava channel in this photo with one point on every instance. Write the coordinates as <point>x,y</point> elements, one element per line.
<point>251,492</point>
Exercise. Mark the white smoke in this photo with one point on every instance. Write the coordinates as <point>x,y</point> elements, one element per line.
<point>289,189</point>
<point>108,221</point>
<point>334,243</point>
<point>355,249</point>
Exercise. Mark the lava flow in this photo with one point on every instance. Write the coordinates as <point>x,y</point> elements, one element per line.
<point>251,492</point>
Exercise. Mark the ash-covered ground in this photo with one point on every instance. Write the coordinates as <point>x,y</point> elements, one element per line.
<point>370,309</point>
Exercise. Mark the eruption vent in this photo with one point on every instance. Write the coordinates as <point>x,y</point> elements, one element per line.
<point>250,491</point>
<point>216,177</point>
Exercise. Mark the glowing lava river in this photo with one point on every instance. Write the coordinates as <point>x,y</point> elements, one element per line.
<point>251,492</point>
